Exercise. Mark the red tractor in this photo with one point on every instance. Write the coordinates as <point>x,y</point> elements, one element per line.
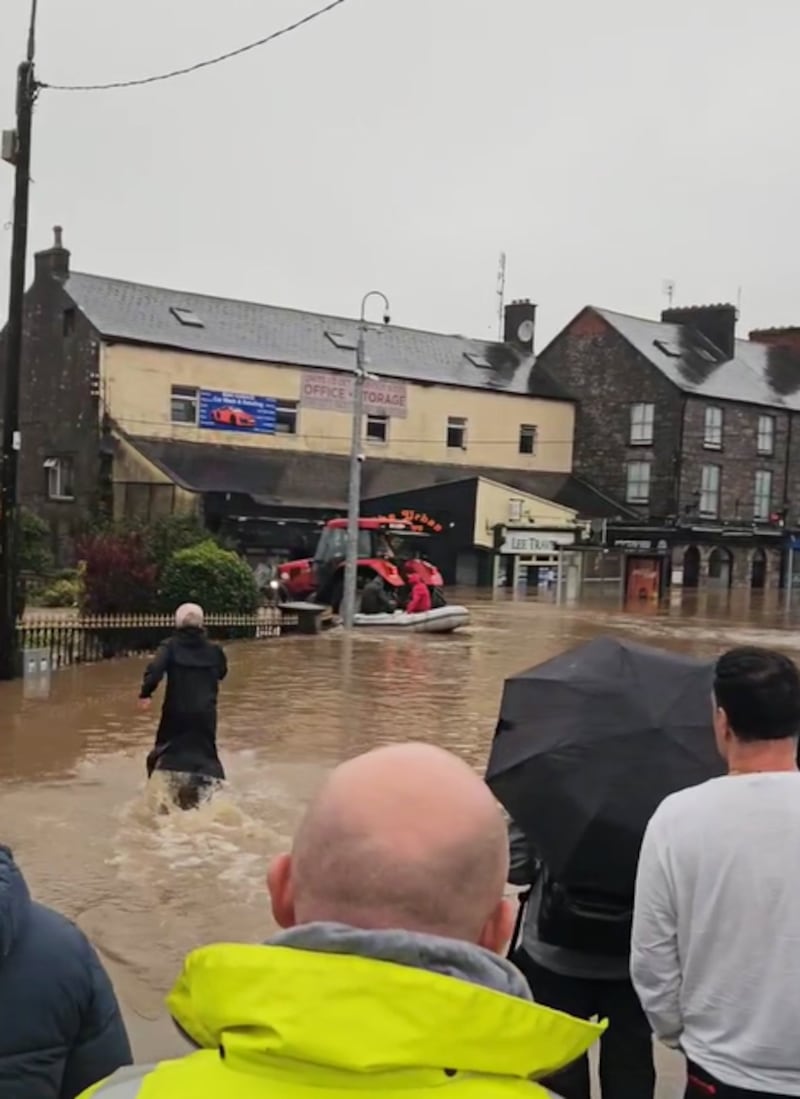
<point>386,548</point>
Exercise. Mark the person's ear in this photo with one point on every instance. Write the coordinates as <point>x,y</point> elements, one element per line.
<point>499,928</point>
<point>281,890</point>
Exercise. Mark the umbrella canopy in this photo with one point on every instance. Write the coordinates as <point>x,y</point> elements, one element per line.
<point>587,746</point>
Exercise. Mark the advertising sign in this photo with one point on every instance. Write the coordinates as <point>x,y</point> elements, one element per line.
<point>334,393</point>
<point>236,412</point>
<point>523,542</point>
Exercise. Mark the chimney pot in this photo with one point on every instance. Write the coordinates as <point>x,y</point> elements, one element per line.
<point>53,262</point>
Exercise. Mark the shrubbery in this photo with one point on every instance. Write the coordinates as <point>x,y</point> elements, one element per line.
<point>66,592</point>
<point>119,574</point>
<point>215,578</point>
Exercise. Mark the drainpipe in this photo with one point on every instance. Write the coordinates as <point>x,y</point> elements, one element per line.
<point>679,463</point>
<point>786,470</point>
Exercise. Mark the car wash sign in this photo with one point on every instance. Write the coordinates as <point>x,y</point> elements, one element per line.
<point>236,412</point>
<point>334,393</point>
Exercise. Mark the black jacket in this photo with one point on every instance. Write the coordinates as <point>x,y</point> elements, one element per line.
<point>187,733</point>
<point>374,599</point>
<point>60,1026</point>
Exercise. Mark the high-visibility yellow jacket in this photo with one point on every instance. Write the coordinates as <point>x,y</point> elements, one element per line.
<point>276,1022</point>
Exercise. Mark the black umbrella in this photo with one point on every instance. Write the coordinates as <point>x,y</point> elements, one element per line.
<point>587,746</point>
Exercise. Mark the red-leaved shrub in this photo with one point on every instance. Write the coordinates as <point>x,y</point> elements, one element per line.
<point>120,576</point>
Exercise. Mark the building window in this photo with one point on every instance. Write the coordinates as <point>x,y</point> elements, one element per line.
<point>514,511</point>
<point>527,438</point>
<point>286,417</point>
<point>638,483</point>
<point>60,482</point>
<point>377,427</point>
<point>187,317</point>
<point>183,408</point>
<point>712,434</point>
<point>762,505</point>
<point>642,417</point>
<point>709,491</point>
<point>68,322</point>
<point>456,433</point>
<point>766,435</point>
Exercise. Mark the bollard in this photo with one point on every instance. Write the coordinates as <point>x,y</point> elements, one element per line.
<point>36,673</point>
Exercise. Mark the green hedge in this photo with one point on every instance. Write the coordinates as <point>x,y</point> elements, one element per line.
<point>213,577</point>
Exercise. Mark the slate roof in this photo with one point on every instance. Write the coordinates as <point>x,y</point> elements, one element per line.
<point>758,374</point>
<point>130,311</point>
<point>290,478</point>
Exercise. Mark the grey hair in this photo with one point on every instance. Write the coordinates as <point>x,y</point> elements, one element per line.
<point>189,614</point>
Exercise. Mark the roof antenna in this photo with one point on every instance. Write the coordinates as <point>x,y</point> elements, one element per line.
<point>501,295</point>
<point>668,289</point>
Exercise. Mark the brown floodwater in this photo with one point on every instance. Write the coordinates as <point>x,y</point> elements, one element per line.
<point>148,887</point>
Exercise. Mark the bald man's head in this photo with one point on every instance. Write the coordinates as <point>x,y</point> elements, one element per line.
<point>403,837</point>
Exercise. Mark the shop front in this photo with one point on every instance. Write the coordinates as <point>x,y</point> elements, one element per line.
<point>531,558</point>
<point>710,556</point>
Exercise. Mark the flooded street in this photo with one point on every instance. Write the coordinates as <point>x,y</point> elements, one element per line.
<point>148,887</point>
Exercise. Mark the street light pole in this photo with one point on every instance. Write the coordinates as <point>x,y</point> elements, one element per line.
<point>9,452</point>
<point>356,461</point>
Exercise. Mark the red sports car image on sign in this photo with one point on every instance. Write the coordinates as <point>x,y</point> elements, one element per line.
<point>233,417</point>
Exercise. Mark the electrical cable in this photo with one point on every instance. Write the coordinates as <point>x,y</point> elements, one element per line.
<point>207,63</point>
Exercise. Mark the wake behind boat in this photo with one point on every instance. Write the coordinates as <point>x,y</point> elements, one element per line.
<point>439,620</point>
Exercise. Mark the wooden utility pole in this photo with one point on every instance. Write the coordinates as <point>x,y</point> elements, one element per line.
<point>19,154</point>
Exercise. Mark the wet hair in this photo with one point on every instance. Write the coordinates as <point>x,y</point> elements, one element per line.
<point>759,690</point>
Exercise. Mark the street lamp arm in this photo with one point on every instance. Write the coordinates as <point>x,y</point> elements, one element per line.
<point>375,294</point>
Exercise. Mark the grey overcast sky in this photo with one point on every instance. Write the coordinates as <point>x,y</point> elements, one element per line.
<point>605,145</point>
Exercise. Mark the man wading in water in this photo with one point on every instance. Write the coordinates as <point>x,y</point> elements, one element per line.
<point>186,741</point>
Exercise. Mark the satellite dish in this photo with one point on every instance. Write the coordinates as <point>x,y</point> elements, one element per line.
<point>525,332</point>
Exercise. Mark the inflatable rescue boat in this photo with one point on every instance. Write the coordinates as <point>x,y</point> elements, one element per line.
<point>438,620</point>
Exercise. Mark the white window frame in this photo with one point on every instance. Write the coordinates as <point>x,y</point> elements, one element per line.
<point>515,509</point>
<point>456,423</point>
<point>60,478</point>
<point>713,427</point>
<point>287,407</point>
<point>710,491</point>
<point>528,432</point>
<point>189,394</point>
<point>634,495</point>
<point>766,431</point>
<point>642,424</point>
<point>762,495</point>
<point>376,418</point>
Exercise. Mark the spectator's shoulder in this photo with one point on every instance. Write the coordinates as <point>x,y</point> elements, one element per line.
<point>680,807</point>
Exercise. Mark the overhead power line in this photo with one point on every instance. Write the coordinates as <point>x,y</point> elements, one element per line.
<point>207,63</point>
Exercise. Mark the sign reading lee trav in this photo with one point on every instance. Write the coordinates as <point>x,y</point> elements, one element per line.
<point>222,411</point>
<point>334,393</point>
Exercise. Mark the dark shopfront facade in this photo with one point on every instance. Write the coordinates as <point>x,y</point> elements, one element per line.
<point>710,556</point>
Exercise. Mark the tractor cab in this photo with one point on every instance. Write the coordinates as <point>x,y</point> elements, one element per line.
<point>386,548</point>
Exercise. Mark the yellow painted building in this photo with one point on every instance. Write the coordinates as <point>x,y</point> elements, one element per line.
<point>153,392</point>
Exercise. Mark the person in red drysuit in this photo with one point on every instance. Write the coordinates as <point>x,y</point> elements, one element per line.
<point>420,600</point>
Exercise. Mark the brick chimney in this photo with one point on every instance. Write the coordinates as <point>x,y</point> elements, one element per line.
<point>777,337</point>
<point>53,262</point>
<point>716,322</point>
<point>519,325</point>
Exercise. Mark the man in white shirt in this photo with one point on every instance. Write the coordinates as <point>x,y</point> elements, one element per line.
<point>715,955</point>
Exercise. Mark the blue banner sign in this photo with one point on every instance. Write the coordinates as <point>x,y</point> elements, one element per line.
<point>237,412</point>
